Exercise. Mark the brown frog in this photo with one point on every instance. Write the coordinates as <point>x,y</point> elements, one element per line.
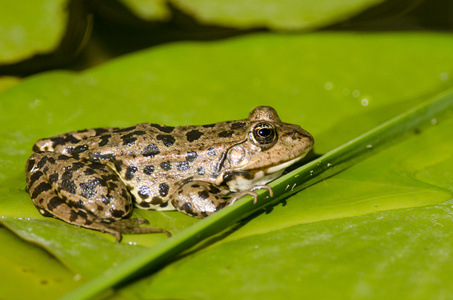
<point>92,178</point>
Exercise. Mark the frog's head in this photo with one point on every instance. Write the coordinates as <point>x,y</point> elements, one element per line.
<point>268,148</point>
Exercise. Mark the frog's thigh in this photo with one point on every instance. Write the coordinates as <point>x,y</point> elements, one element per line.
<point>198,199</point>
<point>80,193</point>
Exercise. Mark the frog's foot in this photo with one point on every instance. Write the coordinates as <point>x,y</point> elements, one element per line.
<point>132,226</point>
<point>250,192</point>
<point>198,199</point>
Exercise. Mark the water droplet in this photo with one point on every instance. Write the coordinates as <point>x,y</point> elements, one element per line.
<point>434,121</point>
<point>364,102</point>
<point>369,146</point>
<point>328,86</point>
<point>355,93</point>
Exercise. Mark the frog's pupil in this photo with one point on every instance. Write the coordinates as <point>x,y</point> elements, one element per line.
<point>264,132</point>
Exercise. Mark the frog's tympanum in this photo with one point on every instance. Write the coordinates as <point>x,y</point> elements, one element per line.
<point>92,178</point>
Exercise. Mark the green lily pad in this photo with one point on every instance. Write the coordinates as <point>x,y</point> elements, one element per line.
<point>148,10</point>
<point>280,15</point>
<point>336,85</point>
<point>26,32</point>
<point>40,34</point>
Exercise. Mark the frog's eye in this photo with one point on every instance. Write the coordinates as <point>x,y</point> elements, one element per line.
<point>263,135</point>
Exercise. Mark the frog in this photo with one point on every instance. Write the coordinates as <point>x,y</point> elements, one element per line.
<point>94,178</point>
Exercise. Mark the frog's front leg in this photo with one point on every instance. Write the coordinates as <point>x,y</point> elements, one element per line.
<point>198,199</point>
<point>83,193</point>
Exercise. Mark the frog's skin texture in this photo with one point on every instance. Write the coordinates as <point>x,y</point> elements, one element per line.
<point>93,178</point>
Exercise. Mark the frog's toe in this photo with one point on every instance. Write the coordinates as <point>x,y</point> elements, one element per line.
<point>251,192</point>
<point>132,222</point>
<point>131,226</point>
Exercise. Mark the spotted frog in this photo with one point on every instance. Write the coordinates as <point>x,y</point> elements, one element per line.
<point>92,178</point>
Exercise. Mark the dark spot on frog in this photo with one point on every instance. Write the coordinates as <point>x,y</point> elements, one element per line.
<point>200,171</point>
<point>193,135</point>
<point>30,164</point>
<point>151,150</point>
<point>118,165</point>
<point>191,156</point>
<point>148,170</point>
<point>163,189</point>
<point>144,204</point>
<point>53,177</point>
<point>128,139</point>
<point>74,216</point>
<point>35,177</point>
<point>165,204</point>
<point>231,176</point>
<point>67,174</point>
<point>54,203</point>
<point>214,190</point>
<point>203,195</point>
<point>125,194</point>
<point>51,160</point>
<point>157,200</point>
<point>63,140</point>
<point>35,148</point>
<point>168,140</point>
<point>195,185</point>
<point>209,125</point>
<point>104,140</point>
<point>89,172</point>
<point>100,131</point>
<point>187,207</point>
<point>77,166</point>
<point>112,185</point>
<point>237,125</point>
<point>211,152</point>
<point>130,171</point>
<point>42,187</point>
<point>226,134</point>
<point>77,150</point>
<point>88,188</point>
<point>97,166</point>
<point>42,162</point>
<point>117,213</point>
<point>96,156</point>
<point>63,157</point>
<point>100,208</point>
<point>68,185</point>
<point>166,166</point>
<point>144,191</point>
<point>182,166</point>
<point>166,129</point>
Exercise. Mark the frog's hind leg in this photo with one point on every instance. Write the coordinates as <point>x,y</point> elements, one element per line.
<point>82,193</point>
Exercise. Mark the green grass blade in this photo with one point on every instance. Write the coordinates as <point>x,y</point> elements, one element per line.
<point>335,161</point>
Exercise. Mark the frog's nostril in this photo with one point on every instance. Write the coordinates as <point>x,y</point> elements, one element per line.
<point>295,135</point>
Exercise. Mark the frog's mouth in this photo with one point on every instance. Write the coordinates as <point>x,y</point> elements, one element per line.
<point>284,165</point>
<point>242,181</point>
